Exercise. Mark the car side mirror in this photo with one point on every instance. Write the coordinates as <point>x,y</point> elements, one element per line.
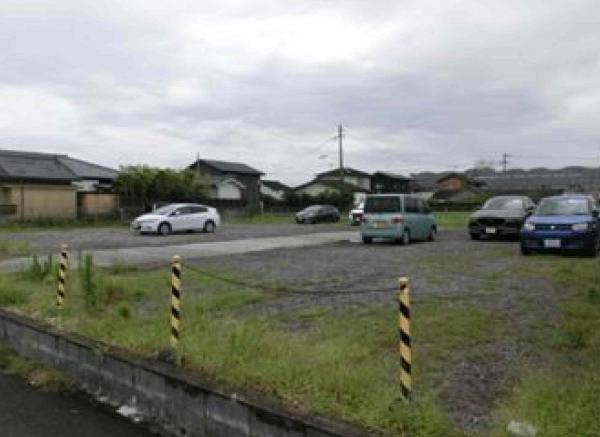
<point>175,213</point>
<point>595,213</point>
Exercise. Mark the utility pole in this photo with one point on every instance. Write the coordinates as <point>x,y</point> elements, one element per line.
<point>341,151</point>
<point>504,162</point>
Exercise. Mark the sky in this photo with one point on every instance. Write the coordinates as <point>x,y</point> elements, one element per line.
<point>418,85</point>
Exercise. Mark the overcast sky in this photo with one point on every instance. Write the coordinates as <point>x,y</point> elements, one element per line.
<point>419,85</point>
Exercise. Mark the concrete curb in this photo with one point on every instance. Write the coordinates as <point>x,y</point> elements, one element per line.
<point>175,401</point>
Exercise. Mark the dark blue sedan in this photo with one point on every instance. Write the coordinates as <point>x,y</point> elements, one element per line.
<point>567,223</point>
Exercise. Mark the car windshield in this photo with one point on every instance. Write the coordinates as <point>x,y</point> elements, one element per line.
<point>164,210</point>
<point>382,204</point>
<point>567,206</point>
<point>504,203</point>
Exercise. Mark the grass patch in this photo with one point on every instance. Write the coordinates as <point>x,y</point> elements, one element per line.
<point>16,247</point>
<point>562,396</point>
<point>452,219</point>
<point>346,365</point>
<point>262,219</point>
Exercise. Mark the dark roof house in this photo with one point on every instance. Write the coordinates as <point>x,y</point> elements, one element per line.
<point>49,168</point>
<point>226,167</point>
<point>276,185</point>
<point>386,182</point>
<point>347,171</point>
<point>246,176</point>
<point>332,185</point>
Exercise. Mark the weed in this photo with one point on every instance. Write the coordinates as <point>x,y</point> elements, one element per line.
<point>124,311</point>
<point>15,247</point>
<point>37,271</point>
<point>87,281</point>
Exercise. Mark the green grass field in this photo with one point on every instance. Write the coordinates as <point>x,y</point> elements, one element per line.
<point>452,220</point>
<point>340,363</point>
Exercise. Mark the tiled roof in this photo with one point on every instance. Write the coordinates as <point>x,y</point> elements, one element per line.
<point>228,167</point>
<point>15,165</point>
<point>275,185</point>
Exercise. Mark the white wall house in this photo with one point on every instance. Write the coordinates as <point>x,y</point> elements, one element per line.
<point>229,188</point>
<point>351,176</point>
<point>316,187</point>
<point>273,189</point>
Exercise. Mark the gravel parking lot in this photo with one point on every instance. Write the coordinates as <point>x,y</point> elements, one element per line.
<point>451,271</point>
<point>111,238</point>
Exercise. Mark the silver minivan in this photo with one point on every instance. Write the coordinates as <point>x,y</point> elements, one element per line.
<point>399,217</point>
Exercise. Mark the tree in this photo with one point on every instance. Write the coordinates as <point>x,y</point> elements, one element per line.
<point>141,185</point>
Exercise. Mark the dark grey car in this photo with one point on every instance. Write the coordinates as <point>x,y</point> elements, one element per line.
<point>500,216</point>
<point>318,214</point>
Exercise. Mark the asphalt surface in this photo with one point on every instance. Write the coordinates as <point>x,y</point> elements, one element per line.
<point>29,412</point>
<point>110,238</point>
<point>144,255</point>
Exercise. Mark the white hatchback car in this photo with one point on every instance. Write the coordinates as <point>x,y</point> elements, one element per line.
<point>178,217</point>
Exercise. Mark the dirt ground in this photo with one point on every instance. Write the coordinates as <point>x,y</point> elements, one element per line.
<point>450,271</point>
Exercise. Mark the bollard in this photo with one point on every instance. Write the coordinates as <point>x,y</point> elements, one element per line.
<point>62,276</point>
<point>405,347</point>
<point>175,300</point>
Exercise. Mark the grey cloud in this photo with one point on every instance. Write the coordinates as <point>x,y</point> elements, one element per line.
<point>420,85</point>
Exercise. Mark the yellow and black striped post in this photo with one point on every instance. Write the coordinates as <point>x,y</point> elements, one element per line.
<point>62,276</point>
<point>405,346</point>
<point>175,300</point>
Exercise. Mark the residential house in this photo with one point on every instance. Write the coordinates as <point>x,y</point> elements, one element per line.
<point>42,185</point>
<point>319,186</point>
<point>386,182</point>
<point>274,189</point>
<point>458,188</point>
<point>231,181</point>
<point>349,175</point>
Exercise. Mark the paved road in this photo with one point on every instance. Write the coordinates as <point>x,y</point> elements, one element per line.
<point>110,238</point>
<point>28,412</point>
<point>163,254</point>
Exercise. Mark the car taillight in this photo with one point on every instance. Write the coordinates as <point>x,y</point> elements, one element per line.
<point>397,220</point>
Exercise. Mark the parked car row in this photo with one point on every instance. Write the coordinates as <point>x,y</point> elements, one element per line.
<point>567,223</point>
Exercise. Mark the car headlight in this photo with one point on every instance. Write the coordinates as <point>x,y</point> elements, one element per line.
<point>580,227</point>
<point>529,226</point>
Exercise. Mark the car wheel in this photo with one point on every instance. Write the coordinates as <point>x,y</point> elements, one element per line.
<point>367,240</point>
<point>164,229</point>
<point>432,234</point>
<point>524,250</point>
<point>475,236</point>
<point>209,227</point>
<point>405,239</point>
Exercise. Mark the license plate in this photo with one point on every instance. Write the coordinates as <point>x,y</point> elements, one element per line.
<point>552,244</point>
<point>380,225</point>
<point>490,230</point>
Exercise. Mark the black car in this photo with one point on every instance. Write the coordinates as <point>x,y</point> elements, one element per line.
<point>500,216</point>
<point>318,214</point>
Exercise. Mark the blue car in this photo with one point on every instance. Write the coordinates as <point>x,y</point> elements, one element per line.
<point>567,223</point>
